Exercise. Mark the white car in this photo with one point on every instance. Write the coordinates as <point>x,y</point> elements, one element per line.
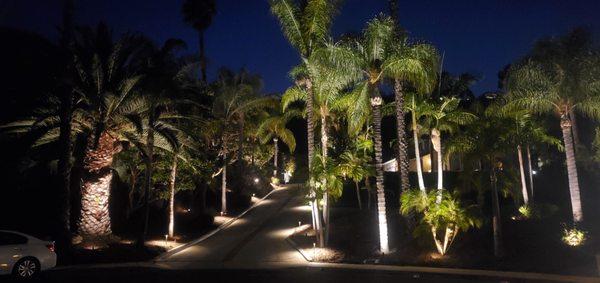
<point>24,255</point>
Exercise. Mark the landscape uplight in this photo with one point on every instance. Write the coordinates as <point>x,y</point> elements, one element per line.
<point>256,180</point>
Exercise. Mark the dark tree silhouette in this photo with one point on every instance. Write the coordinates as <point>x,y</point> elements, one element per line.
<point>199,15</point>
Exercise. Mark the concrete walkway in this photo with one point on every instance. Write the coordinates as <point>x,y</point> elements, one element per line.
<point>258,238</point>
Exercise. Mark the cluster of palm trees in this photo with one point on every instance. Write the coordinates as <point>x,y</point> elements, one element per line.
<point>130,107</point>
<point>340,82</point>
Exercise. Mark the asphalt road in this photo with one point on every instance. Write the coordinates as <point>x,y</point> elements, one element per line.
<point>287,275</point>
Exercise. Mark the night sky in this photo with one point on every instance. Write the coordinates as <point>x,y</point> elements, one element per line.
<point>477,36</point>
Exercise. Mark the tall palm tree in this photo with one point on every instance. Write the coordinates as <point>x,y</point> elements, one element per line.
<point>306,25</point>
<point>415,66</point>
<point>199,15</point>
<point>543,88</point>
<point>418,108</point>
<point>446,116</point>
<point>488,139</point>
<point>368,61</point>
<point>66,119</point>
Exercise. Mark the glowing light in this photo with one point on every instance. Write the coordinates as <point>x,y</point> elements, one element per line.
<point>533,172</point>
<point>256,180</point>
<point>574,237</point>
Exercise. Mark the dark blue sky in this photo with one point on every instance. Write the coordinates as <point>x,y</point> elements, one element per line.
<point>477,36</point>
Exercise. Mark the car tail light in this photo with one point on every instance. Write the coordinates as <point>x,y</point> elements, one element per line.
<point>50,247</point>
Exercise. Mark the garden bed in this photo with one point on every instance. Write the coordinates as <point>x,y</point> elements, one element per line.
<point>530,246</point>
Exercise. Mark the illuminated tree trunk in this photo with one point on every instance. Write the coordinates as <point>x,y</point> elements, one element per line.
<point>417,152</point>
<point>224,186</point>
<point>522,173</point>
<point>275,157</point>
<point>381,207</point>
<point>530,171</point>
<point>172,197</point>
<point>324,145</point>
<point>94,218</point>
<point>311,151</point>
<point>436,140</point>
<point>401,135</point>
<point>496,220</point>
<point>565,125</point>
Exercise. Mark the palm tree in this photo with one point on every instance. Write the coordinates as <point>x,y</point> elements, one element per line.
<point>415,66</point>
<point>447,215</point>
<point>369,60</point>
<point>419,108</point>
<point>199,15</point>
<point>306,25</point>
<point>446,116</point>
<point>328,98</point>
<point>66,119</point>
<point>234,97</point>
<point>487,139</point>
<point>274,128</point>
<point>107,114</point>
<point>354,164</point>
<point>545,89</point>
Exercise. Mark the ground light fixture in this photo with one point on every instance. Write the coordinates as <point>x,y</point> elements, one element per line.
<point>256,180</point>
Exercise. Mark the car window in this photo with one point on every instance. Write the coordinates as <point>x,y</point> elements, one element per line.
<point>7,238</point>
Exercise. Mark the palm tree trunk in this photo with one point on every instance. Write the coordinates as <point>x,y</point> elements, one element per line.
<point>240,153</point>
<point>202,55</point>
<point>417,153</point>
<point>275,140</point>
<point>358,195</point>
<point>496,220</point>
<point>224,186</point>
<point>324,149</point>
<point>381,207</point>
<point>522,173</point>
<point>436,141</point>
<point>148,184</point>
<point>574,129</point>
<point>172,197</point>
<point>401,135</point>
<point>94,218</point>
<point>65,165</point>
<point>530,172</point>
<point>565,125</point>
<point>311,151</point>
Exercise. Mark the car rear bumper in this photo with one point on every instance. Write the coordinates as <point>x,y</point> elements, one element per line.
<point>48,262</point>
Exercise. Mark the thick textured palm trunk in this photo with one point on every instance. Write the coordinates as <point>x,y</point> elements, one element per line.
<point>94,218</point>
<point>311,151</point>
<point>530,172</point>
<point>522,173</point>
<point>172,197</point>
<point>324,150</point>
<point>417,153</point>
<point>436,141</point>
<point>496,219</point>
<point>401,135</point>
<point>565,125</point>
<point>381,207</point>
